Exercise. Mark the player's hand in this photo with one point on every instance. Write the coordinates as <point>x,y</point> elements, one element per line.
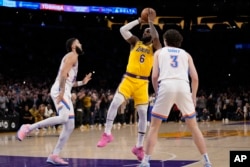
<point>87,78</point>
<point>151,15</point>
<point>141,20</point>
<point>59,97</point>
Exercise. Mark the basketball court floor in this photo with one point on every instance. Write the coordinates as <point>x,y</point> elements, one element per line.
<point>175,147</point>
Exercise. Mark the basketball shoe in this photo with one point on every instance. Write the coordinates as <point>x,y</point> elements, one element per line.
<point>23,132</point>
<point>56,160</point>
<point>144,164</point>
<point>139,152</point>
<point>105,139</point>
<point>207,165</point>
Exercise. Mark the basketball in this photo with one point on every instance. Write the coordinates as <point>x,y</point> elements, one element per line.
<point>144,13</point>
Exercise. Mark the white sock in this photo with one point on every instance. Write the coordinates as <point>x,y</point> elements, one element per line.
<point>109,124</point>
<point>205,158</point>
<point>146,158</point>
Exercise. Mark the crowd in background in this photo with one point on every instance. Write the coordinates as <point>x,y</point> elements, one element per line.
<point>31,102</point>
<point>31,49</point>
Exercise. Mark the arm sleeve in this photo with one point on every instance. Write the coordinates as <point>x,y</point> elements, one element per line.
<point>124,30</point>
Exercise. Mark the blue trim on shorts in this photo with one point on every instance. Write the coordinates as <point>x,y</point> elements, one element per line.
<point>71,117</point>
<point>156,116</point>
<point>66,105</point>
<point>191,116</point>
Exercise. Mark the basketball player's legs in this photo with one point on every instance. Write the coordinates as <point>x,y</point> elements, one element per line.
<point>141,101</point>
<point>124,91</point>
<point>112,111</point>
<point>186,106</point>
<point>67,113</point>
<point>62,118</point>
<point>67,129</point>
<point>119,97</point>
<point>198,139</point>
<point>163,104</point>
<point>151,141</point>
<point>196,134</point>
<point>152,137</point>
<point>64,110</point>
<point>142,124</point>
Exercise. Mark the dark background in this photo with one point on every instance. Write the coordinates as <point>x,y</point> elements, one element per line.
<point>28,49</point>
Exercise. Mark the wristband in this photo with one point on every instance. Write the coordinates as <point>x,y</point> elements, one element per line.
<point>79,83</point>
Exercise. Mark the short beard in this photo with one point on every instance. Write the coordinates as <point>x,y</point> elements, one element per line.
<point>79,51</point>
<point>146,39</point>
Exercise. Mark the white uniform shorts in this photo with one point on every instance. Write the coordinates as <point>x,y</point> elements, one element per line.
<point>172,92</point>
<point>66,103</point>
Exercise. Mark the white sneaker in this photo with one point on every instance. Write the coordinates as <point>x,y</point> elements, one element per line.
<point>207,165</point>
<point>144,165</point>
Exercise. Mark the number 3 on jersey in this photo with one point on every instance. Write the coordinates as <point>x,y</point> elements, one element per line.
<point>174,62</point>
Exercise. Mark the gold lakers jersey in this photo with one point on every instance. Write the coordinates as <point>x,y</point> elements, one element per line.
<point>140,59</point>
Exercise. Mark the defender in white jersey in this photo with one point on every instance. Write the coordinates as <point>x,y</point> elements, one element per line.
<point>170,78</point>
<point>61,96</point>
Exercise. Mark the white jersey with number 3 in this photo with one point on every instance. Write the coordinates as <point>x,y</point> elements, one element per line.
<point>173,85</point>
<point>173,64</point>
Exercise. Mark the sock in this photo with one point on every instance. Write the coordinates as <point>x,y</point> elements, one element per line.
<point>109,124</point>
<point>142,124</point>
<point>206,158</point>
<point>146,158</point>
<point>140,140</point>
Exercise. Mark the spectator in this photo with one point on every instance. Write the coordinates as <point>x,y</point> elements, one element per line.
<point>26,116</point>
<point>79,108</point>
<point>3,103</point>
<point>246,111</point>
<point>238,115</point>
<point>201,104</point>
<point>86,108</point>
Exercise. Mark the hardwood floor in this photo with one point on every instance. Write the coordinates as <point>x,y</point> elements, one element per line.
<point>175,147</point>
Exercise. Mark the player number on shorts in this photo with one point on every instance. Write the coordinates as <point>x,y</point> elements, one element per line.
<point>174,62</point>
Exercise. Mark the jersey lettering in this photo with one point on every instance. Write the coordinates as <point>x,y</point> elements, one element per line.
<point>144,50</point>
<point>173,50</point>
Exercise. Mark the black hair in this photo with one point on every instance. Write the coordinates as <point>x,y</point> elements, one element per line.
<point>173,38</point>
<point>69,43</point>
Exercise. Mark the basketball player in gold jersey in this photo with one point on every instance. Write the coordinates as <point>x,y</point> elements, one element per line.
<point>135,81</point>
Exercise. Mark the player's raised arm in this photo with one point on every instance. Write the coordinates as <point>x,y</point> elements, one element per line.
<point>126,34</point>
<point>154,34</point>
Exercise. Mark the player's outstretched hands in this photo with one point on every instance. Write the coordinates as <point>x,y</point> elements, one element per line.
<point>87,78</point>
